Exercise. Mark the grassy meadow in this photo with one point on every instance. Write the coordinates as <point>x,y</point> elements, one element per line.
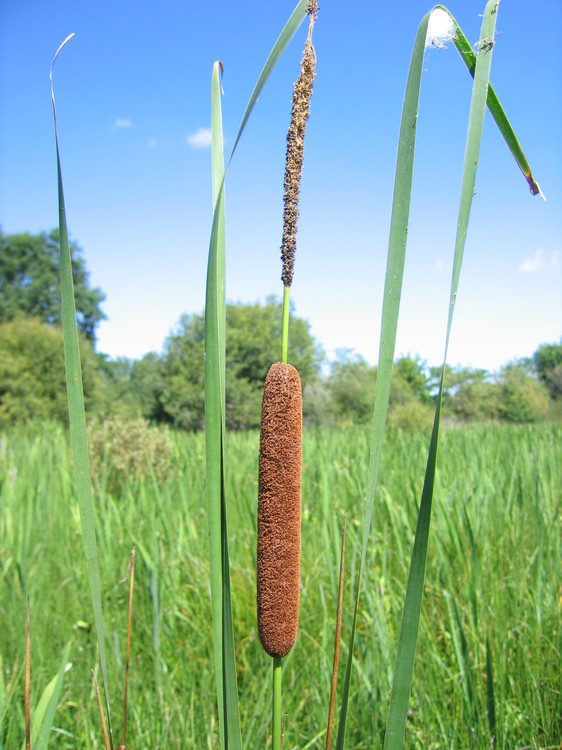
<point>488,658</point>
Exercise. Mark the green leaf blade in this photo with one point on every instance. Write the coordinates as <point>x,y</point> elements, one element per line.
<point>391,305</point>
<point>404,669</point>
<point>77,414</point>
<point>468,56</point>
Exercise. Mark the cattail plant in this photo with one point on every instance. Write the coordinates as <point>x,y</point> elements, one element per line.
<point>279,494</point>
<point>215,352</point>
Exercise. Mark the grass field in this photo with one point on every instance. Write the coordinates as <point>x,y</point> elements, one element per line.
<point>488,659</point>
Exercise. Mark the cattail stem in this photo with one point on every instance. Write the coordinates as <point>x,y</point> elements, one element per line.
<point>277,722</point>
<point>285,326</point>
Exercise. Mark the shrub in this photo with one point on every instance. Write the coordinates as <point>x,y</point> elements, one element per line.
<point>523,398</point>
<point>124,450</point>
<point>410,414</point>
<point>32,378</point>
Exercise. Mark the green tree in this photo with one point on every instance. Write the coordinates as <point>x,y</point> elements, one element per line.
<point>183,393</point>
<point>147,382</point>
<point>548,364</point>
<point>32,375</point>
<point>352,383</point>
<point>253,342</point>
<point>409,403</point>
<point>413,372</point>
<point>351,392</point>
<point>522,397</point>
<point>476,397</point>
<point>30,286</point>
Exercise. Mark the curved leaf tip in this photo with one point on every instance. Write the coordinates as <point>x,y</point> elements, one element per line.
<point>68,38</point>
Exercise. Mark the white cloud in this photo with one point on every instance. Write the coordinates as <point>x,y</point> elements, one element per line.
<point>200,139</point>
<point>122,123</point>
<point>152,143</point>
<point>539,262</point>
<point>534,263</point>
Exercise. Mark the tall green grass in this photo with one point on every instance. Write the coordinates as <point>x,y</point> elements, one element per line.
<point>492,576</point>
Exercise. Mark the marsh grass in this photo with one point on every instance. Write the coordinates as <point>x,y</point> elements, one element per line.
<point>494,554</point>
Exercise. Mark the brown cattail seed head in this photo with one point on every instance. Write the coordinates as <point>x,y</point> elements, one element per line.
<point>279,510</point>
<point>302,93</point>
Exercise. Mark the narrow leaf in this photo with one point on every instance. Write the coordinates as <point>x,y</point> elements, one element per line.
<point>404,669</point>
<point>490,694</point>
<point>337,641</point>
<point>215,343</point>
<point>77,412</point>
<point>391,305</point>
<point>468,56</point>
<point>44,714</point>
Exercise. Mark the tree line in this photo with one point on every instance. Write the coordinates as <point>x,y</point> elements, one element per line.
<point>168,387</point>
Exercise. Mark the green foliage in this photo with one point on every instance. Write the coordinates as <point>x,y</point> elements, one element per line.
<point>548,363</point>
<point>349,393</point>
<point>316,402</point>
<point>30,282</point>
<point>477,398</point>
<point>352,391</point>
<point>169,388</point>
<point>147,383</point>
<point>410,414</point>
<point>253,342</point>
<point>132,387</point>
<point>502,570</point>
<point>115,392</point>
<point>124,451</point>
<point>183,394</point>
<point>32,379</point>
<point>253,336</point>
<point>413,372</point>
<point>523,398</point>
<point>409,406</point>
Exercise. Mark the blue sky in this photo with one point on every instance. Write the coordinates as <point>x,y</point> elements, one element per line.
<point>133,100</point>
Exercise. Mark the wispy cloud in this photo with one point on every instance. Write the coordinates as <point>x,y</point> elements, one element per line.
<point>534,263</point>
<point>200,139</point>
<point>539,261</point>
<point>122,123</point>
<point>152,143</point>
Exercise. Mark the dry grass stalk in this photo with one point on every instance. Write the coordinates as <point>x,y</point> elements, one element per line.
<point>102,715</point>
